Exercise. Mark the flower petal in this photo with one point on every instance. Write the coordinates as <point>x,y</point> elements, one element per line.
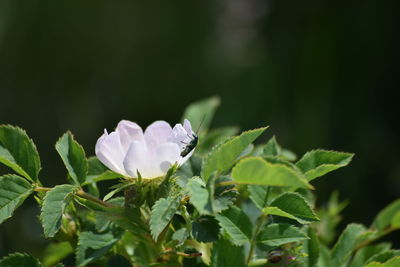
<point>166,155</point>
<point>157,133</point>
<point>188,127</point>
<point>179,136</point>
<point>139,158</point>
<point>129,132</point>
<point>109,152</point>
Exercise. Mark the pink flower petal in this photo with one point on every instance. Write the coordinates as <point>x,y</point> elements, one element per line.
<point>128,132</point>
<point>109,152</point>
<point>157,133</point>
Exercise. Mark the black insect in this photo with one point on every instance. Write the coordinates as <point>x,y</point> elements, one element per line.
<point>191,145</point>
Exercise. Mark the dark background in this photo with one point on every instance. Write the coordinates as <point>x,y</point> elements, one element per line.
<point>322,74</point>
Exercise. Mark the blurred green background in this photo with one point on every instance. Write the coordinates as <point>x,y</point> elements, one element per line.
<point>320,73</point>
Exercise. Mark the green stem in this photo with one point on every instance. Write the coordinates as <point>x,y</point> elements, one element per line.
<point>42,189</point>
<point>260,223</point>
<point>89,197</point>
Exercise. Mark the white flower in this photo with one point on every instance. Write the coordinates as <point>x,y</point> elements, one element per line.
<point>128,150</point>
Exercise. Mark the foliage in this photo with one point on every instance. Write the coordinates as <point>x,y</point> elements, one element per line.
<point>233,203</point>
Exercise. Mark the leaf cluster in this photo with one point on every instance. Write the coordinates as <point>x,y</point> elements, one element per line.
<point>233,203</point>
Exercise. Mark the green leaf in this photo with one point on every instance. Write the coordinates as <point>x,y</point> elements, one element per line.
<point>97,172</point>
<point>278,234</point>
<point>205,229</point>
<point>224,254</point>
<point>384,256</point>
<point>18,152</point>
<point>292,206</point>
<point>347,242</point>
<point>199,195</point>
<point>55,252</point>
<point>365,253</point>
<point>259,195</point>
<point>201,112</point>
<point>224,196</point>
<point>223,156</point>
<point>324,259</point>
<point>272,148</point>
<point>236,225</point>
<point>255,170</point>
<point>92,246</point>
<point>319,162</point>
<point>13,191</point>
<point>181,235</point>
<point>161,214</point>
<point>311,247</point>
<point>19,260</point>
<point>209,198</point>
<point>388,217</point>
<point>215,137</point>
<point>54,204</point>
<point>394,262</point>
<point>74,158</point>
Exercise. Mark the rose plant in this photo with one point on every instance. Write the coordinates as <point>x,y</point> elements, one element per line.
<point>223,201</point>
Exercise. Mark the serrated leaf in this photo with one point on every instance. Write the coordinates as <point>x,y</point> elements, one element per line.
<point>54,204</point>
<point>292,206</point>
<point>311,247</point>
<point>103,220</point>
<point>319,162</point>
<point>347,242</point>
<point>278,234</point>
<point>74,158</point>
<point>223,156</point>
<point>394,262</point>
<point>161,214</point>
<point>18,152</point>
<point>199,196</point>
<point>19,260</point>
<point>224,254</point>
<point>180,236</point>
<point>215,137</point>
<point>387,216</point>
<point>13,191</point>
<point>208,198</point>
<point>256,170</point>
<point>224,196</point>
<point>201,112</point>
<point>205,229</point>
<point>365,253</point>
<point>236,225</point>
<point>259,195</point>
<point>272,148</point>
<point>92,246</point>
